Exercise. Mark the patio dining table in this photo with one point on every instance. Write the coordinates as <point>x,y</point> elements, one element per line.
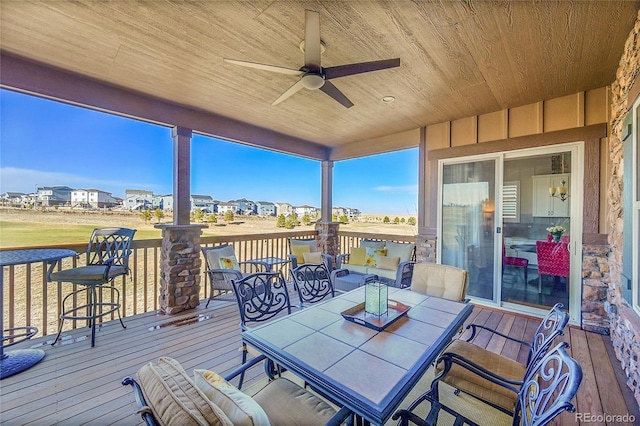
<point>15,361</point>
<point>368,370</point>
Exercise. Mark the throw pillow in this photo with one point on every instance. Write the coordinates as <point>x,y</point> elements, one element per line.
<point>299,251</point>
<point>315,258</point>
<point>174,398</point>
<point>371,256</point>
<point>401,250</point>
<point>357,256</point>
<point>239,407</point>
<point>384,262</point>
<point>229,262</point>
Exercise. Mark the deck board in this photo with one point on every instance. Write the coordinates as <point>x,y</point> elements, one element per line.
<point>77,384</point>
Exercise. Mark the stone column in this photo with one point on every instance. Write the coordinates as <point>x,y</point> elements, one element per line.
<point>328,241</point>
<point>180,265</point>
<point>425,248</point>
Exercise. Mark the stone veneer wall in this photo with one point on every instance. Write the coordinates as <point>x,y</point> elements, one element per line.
<point>595,283</point>
<point>625,323</point>
<point>180,265</point>
<point>328,241</point>
<point>425,249</point>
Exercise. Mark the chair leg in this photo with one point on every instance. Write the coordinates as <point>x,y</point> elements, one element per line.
<point>244,359</point>
<point>93,308</point>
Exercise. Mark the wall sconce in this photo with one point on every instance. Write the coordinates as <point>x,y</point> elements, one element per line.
<point>561,191</point>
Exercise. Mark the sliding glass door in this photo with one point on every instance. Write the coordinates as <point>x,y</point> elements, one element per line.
<point>467,222</point>
<point>497,218</point>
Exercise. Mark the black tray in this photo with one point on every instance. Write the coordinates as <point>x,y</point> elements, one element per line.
<point>358,315</point>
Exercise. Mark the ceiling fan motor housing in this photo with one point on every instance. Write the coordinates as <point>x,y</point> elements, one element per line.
<point>313,81</point>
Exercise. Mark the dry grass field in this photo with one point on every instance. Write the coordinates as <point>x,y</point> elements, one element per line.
<point>23,227</point>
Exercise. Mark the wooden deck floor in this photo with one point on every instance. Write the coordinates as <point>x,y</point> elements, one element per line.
<point>76,384</point>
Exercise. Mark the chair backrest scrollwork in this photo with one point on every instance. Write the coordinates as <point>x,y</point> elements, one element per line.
<point>313,282</point>
<point>261,297</point>
<point>552,326</point>
<point>110,246</point>
<point>548,388</point>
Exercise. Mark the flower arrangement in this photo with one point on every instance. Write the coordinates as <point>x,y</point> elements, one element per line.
<point>556,232</point>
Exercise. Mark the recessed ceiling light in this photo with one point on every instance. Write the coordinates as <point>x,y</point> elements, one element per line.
<point>388,99</point>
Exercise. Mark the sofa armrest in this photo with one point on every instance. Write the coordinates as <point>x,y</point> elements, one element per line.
<point>404,274</point>
<point>294,261</point>
<point>341,260</point>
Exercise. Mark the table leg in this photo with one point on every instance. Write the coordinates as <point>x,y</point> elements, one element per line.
<point>15,361</point>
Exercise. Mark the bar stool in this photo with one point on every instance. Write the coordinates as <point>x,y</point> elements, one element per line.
<point>107,258</point>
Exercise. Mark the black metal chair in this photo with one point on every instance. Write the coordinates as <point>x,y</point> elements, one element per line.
<point>220,277</point>
<point>490,377</point>
<point>313,283</point>
<point>547,390</point>
<point>107,258</point>
<point>261,297</point>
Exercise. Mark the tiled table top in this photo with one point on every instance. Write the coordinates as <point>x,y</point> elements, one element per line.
<point>368,371</point>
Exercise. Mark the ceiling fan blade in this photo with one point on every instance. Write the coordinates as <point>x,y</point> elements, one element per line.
<point>289,92</point>
<point>264,67</point>
<point>312,60</point>
<point>359,68</point>
<point>336,94</point>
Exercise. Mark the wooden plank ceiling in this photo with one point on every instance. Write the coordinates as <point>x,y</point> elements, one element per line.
<point>458,59</point>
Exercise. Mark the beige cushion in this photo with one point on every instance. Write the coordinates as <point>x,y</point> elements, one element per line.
<point>443,281</point>
<point>401,250</point>
<point>372,244</point>
<point>312,244</point>
<point>299,251</point>
<point>315,258</point>
<point>385,262</point>
<point>173,397</point>
<point>239,407</point>
<point>471,383</point>
<point>357,256</point>
<point>286,403</point>
<point>214,255</point>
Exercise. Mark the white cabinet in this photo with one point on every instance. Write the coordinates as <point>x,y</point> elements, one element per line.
<point>543,203</point>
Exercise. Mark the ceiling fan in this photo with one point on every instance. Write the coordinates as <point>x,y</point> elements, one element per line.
<point>312,74</point>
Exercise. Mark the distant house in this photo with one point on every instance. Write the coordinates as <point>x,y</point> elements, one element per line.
<point>346,211</point>
<point>265,208</point>
<point>163,202</point>
<point>225,207</point>
<point>53,196</point>
<point>245,206</point>
<point>138,199</point>
<point>203,202</point>
<point>15,198</point>
<point>302,210</point>
<point>92,198</point>
<point>283,208</point>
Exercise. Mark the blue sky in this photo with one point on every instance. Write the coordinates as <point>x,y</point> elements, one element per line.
<point>47,143</point>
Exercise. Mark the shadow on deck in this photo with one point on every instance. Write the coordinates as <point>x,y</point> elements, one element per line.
<point>77,384</point>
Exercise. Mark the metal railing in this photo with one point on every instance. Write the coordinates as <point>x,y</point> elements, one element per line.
<point>29,300</point>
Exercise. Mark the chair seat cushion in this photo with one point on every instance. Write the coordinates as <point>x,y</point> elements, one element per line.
<point>88,273</point>
<point>471,383</point>
<point>286,403</point>
<point>174,398</point>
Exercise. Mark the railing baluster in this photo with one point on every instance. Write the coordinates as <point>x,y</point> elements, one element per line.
<point>12,296</point>
<point>43,328</point>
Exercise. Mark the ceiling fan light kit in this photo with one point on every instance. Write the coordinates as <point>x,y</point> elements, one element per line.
<point>312,75</point>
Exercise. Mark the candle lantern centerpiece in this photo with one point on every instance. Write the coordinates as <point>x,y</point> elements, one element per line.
<point>376,298</point>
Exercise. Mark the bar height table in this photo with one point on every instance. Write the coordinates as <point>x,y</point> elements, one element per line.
<point>15,361</point>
